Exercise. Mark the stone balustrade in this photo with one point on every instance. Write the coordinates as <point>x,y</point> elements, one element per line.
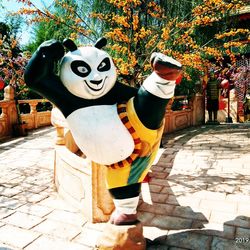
<point>9,117</point>
<point>192,115</point>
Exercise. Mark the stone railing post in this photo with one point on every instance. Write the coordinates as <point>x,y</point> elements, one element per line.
<point>11,110</point>
<point>198,109</point>
<point>78,180</point>
<point>33,112</point>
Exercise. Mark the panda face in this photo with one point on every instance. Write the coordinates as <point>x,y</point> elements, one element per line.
<point>88,72</point>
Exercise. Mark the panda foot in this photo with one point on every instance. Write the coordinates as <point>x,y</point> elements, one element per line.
<point>166,67</point>
<point>123,219</point>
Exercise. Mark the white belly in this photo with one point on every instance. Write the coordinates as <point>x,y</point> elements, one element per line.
<point>100,134</point>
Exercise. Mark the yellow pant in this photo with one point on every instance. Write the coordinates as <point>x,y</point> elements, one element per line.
<point>147,141</point>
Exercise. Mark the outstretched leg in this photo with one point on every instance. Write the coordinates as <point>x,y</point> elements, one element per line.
<point>153,96</point>
<point>145,114</point>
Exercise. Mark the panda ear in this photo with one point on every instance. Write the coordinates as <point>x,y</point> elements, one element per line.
<point>101,42</point>
<point>69,44</point>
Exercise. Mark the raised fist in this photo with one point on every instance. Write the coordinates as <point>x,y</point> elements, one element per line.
<point>166,67</point>
<point>52,49</point>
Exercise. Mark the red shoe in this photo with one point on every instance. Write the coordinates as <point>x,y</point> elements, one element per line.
<point>123,219</point>
<point>166,67</point>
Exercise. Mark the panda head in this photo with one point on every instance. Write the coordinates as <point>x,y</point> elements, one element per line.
<point>87,72</point>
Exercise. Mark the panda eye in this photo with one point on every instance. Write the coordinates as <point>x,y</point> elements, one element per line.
<point>80,68</point>
<point>104,65</point>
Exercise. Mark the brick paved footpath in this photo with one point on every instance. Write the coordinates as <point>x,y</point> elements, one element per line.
<point>198,196</point>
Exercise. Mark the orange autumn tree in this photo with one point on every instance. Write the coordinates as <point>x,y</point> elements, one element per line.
<point>137,28</point>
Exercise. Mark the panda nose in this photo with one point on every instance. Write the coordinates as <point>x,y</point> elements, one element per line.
<point>96,82</point>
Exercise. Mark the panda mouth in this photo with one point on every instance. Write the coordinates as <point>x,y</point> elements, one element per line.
<point>96,85</point>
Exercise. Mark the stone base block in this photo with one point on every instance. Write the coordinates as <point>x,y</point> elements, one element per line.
<point>122,238</point>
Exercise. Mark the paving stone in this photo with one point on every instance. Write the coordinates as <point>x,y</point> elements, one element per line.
<point>189,200</point>
<point>159,198</point>
<point>58,229</point>
<point>57,203</point>
<point>67,217</point>
<point>8,247</point>
<point>87,237</point>
<point>243,233</point>
<point>181,189</point>
<point>155,188</point>
<point>145,218</point>
<point>46,242</point>
<point>10,203</point>
<point>222,188</point>
<point>32,188</point>
<point>95,226</point>
<point>224,206</point>
<point>240,221</point>
<point>161,209</point>
<point>31,197</point>
<point>23,220</point>
<point>153,232</point>
<point>171,222</point>
<point>157,168</point>
<point>158,175</point>
<point>244,209</point>
<point>209,195</point>
<point>17,237</point>
<point>166,190</point>
<point>187,212</point>
<point>220,230</point>
<point>9,192</point>
<point>238,198</point>
<point>5,212</point>
<point>35,209</point>
<point>221,217</point>
<point>159,182</point>
<point>188,240</point>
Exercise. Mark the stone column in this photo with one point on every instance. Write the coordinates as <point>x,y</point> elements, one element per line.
<point>11,111</point>
<point>198,109</point>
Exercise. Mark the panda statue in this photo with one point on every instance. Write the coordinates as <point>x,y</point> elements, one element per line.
<point>113,124</point>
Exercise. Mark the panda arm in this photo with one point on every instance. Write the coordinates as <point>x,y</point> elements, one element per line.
<point>125,92</point>
<point>40,72</point>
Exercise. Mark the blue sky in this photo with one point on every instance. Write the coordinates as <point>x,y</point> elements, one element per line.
<point>13,5</point>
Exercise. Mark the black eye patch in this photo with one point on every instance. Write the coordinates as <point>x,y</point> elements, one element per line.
<point>104,65</point>
<point>80,68</point>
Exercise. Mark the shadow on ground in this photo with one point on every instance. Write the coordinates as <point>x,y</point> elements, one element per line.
<point>163,207</point>
<point>206,239</point>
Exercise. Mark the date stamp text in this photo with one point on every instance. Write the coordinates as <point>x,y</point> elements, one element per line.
<point>242,240</point>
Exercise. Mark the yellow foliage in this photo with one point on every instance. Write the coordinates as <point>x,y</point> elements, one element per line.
<point>232,32</point>
<point>165,33</point>
<point>141,34</point>
<point>135,22</point>
<point>118,35</point>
